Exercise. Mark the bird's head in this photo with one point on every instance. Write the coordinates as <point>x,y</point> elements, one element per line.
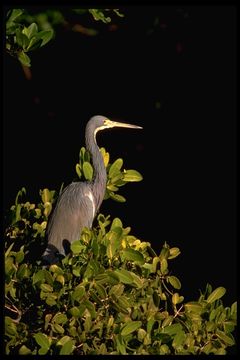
<point>99,122</point>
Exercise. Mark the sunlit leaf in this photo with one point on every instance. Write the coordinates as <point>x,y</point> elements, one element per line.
<point>130,327</point>
<point>124,276</point>
<point>216,294</point>
<point>117,197</point>
<point>87,170</point>
<point>42,340</point>
<point>175,282</point>
<point>132,175</point>
<point>132,255</point>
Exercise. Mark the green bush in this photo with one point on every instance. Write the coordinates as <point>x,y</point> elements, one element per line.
<point>113,294</point>
<point>27,32</point>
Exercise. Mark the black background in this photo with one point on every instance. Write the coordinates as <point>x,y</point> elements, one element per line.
<point>169,69</point>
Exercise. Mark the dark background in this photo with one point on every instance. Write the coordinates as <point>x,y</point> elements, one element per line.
<point>169,69</point>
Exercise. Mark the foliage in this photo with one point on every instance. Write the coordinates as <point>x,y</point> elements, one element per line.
<point>113,294</point>
<point>27,32</point>
<point>116,177</point>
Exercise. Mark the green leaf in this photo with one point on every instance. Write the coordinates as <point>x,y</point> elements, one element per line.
<point>63,340</point>
<point>116,223</point>
<point>22,271</point>
<point>38,277</point>
<point>172,329</point>
<point>77,247</point>
<point>136,280</point>
<point>124,276</point>
<point>60,318</point>
<point>174,252</point>
<point>78,293</point>
<point>46,287</point>
<point>42,340</point>
<point>175,298</point>
<point>115,168</point>
<point>78,170</point>
<point>10,327</point>
<point>58,328</point>
<point>114,238</point>
<point>132,175</point>
<point>178,339</point>
<point>67,348</point>
<point>74,311</point>
<point>31,30</point>
<point>175,282</point>
<point>163,265</point>
<point>19,256</point>
<point>99,15</point>
<point>194,307</point>
<point>101,291</point>
<point>21,39</point>
<point>24,59</point>
<point>130,327</point>
<point>123,302</point>
<point>120,345</point>
<point>34,44</point>
<point>133,255</point>
<point>234,309</point>
<point>45,36</point>
<point>117,290</point>
<point>14,14</point>
<point>216,294</point>
<point>117,197</point>
<point>228,339</point>
<point>87,170</point>
<point>24,350</point>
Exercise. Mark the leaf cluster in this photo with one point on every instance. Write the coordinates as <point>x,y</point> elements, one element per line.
<point>26,32</point>
<point>116,176</point>
<point>112,294</point>
<point>21,39</point>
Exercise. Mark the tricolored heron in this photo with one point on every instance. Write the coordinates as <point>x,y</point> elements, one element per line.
<point>80,201</point>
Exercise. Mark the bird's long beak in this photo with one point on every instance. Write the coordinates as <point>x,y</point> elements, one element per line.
<point>110,123</point>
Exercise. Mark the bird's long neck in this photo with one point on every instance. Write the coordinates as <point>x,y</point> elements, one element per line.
<point>100,175</point>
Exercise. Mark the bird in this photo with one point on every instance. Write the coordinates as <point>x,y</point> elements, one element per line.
<point>80,201</point>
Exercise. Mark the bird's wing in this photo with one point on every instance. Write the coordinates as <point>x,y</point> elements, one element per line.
<point>74,210</point>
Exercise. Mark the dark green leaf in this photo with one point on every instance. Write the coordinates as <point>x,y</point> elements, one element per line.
<point>46,287</point>
<point>173,329</point>
<point>14,14</point>
<point>24,350</point>
<point>133,255</point>
<point>22,39</point>
<point>228,339</point>
<point>130,327</point>
<point>194,307</point>
<point>45,36</point>
<point>78,293</point>
<point>124,276</point>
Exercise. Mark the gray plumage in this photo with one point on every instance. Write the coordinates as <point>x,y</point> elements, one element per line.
<point>79,203</point>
